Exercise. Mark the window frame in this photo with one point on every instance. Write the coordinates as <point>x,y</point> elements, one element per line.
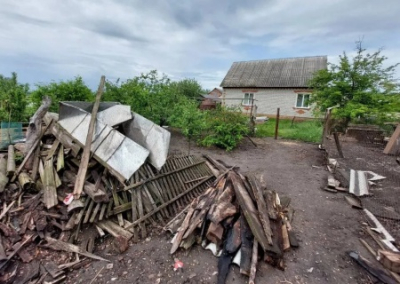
<point>248,100</point>
<point>302,101</point>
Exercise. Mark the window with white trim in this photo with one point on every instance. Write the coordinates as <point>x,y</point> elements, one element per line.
<point>303,101</point>
<point>248,99</point>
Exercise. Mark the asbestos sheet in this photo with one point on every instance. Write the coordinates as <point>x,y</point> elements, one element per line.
<point>110,146</point>
<point>115,115</point>
<point>358,183</point>
<point>151,136</point>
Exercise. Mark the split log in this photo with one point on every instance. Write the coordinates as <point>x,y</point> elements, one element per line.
<point>10,161</point>
<point>254,259</point>
<point>223,206</point>
<point>215,233</point>
<point>80,180</point>
<point>261,206</point>
<point>34,133</point>
<point>249,211</point>
<point>3,171</point>
<point>26,181</point>
<point>183,227</point>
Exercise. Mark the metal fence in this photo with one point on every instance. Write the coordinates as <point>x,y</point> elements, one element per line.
<point>10,132</point>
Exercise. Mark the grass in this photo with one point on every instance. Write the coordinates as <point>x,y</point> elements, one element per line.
<point>307,131</point>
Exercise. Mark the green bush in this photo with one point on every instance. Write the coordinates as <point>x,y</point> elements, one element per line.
<point>225,128</point>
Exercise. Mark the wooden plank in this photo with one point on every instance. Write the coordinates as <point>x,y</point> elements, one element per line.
<point>3,173</point>
<point>261,206</point>
<point>114,229</point>
<point>338,145</point>
<point>63,246</point>
<point>53,149</point>
<point>89,188</point>
<point>141,219</point>
<point>80,180</point>
<point>249,210</point>
<point>60,158</point>
<point>392,147</point>
<point>50,192</point>
<point>247,244</point>
<point>30,152</point>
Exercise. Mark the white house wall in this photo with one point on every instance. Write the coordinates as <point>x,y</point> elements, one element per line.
<point>267,101</point>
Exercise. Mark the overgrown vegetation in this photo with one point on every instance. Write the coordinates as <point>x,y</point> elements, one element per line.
<point>362,88</point>
<point>308,130</point>
<point>152,95</point>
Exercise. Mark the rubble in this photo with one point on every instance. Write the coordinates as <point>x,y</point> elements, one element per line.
<point>123,193</point>
<point>239,220</point>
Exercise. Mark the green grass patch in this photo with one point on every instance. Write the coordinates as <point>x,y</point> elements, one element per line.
<point>307,131</point>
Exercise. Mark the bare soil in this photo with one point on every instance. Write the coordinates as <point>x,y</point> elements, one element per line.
<point>326,226</point>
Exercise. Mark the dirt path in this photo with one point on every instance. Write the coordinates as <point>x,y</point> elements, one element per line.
<point>326,226</point>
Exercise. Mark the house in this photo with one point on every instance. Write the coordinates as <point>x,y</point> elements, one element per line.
<point>211,100</point>
<point>265,85</point>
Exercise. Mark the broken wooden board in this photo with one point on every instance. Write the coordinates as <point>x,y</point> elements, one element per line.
<point>390,260</point>
<point>353,201</point>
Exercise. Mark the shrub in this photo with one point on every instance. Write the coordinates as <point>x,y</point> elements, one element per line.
<point>226,127</point>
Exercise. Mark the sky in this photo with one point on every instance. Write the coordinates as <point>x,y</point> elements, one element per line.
<point>47,40</point>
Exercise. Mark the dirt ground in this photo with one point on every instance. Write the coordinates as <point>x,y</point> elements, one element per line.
<point>326,226</point>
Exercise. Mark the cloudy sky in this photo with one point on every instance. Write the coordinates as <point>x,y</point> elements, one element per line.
<point>53,40</point>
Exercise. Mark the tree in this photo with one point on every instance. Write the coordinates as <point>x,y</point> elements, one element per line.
<point>189,88</point>
<point>150,95</point>
<point>71,90</point>
<point>13,98</point>
<point>362,87</point>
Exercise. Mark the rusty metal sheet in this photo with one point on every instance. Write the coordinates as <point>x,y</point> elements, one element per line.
<point>151,136</point>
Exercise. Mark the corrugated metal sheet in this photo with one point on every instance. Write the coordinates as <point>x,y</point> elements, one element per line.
<point>274,73</point>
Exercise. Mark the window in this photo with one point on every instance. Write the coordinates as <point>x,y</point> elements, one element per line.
<point>248,99</point>
<point>303,100</point>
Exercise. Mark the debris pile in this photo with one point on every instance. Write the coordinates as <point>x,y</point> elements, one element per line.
<point>239,220</point>
<point>122,192</point>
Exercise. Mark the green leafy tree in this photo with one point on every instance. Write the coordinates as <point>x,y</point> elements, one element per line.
<point>13,98</point>
<point>71,90</point>
<point>189,88</point>
<point>150,95</point>
<point>362,87</point>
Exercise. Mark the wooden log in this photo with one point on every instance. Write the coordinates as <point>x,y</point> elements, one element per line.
<point>246,249</point>
<point>34,132</point>
<point>254,259</point>
<point>26,181</point>
<point>80,180</point>
<point>249,210</point>
<point>3,173</point>
<point>10,161</point>
<point>261,206</point>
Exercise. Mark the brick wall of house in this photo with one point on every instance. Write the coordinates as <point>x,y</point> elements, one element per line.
<point>268,100</point>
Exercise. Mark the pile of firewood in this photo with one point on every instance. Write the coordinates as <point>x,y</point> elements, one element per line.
<point>239,220</point>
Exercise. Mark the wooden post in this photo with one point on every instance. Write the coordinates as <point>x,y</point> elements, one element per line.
<point>80,178</point>
<point>338,146</point>
<point>326,123</point>
<point>392,146</point>
<point>277,123</point>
